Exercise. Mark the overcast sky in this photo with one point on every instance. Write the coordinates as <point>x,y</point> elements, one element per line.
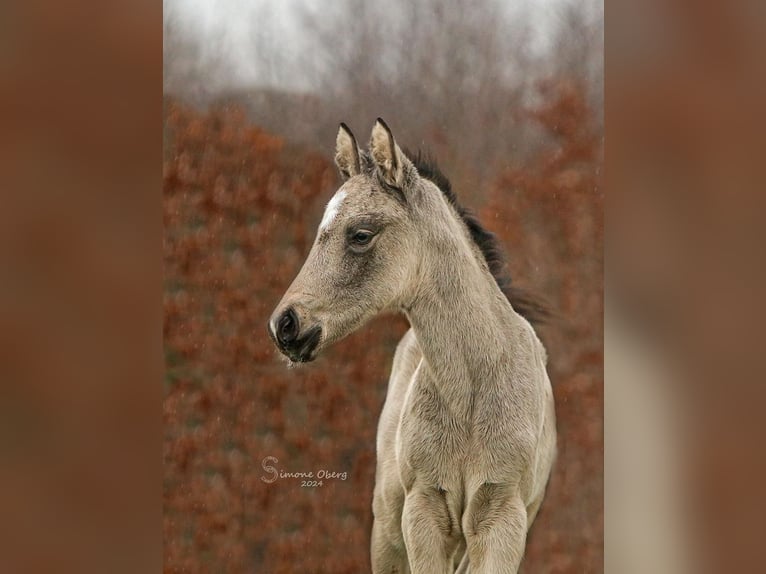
<point>228,26</point>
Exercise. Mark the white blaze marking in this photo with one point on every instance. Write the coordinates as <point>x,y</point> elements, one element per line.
<point>332,209</point>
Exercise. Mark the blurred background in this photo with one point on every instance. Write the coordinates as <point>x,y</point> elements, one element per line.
<point>508,97</point>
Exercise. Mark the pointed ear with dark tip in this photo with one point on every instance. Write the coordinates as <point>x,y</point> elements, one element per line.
<point>346,153</point>
<point>386,154</point>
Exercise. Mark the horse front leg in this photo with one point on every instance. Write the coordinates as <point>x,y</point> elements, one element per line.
<point>495,528</point>
<point>388,553</point>
<point>387,557</point>
<point>429,535</point>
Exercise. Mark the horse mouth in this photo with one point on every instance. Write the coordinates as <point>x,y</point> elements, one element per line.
<point>303,350</point>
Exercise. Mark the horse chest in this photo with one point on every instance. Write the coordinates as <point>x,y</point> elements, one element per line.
<point>440,442</point>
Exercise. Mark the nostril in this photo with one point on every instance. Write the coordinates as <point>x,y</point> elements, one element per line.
<point>287,327</point>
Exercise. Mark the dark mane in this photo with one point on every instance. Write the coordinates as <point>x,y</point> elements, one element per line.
<point>522,301</point>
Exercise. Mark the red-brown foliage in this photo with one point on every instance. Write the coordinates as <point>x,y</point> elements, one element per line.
<point>240,207</point>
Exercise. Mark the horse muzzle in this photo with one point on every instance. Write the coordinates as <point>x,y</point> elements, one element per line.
<point>285,330</point>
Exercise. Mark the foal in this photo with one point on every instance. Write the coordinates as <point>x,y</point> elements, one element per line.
<point>467,436</point>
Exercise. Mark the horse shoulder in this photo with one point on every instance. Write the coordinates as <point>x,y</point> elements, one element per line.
<point>405,362</point>
<point>389,492</point>
<point>531,413</point>
<point>513,410</point>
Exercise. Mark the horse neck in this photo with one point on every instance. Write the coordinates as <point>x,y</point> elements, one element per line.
<point>462,320</point>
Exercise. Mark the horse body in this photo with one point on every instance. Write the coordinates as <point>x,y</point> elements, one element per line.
<point>466,438</point>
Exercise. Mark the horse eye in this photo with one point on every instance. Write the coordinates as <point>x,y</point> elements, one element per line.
<point>362,237</point>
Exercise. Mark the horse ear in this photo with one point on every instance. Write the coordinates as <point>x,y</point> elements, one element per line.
<point>386,154</point>
<point>346,153</point>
